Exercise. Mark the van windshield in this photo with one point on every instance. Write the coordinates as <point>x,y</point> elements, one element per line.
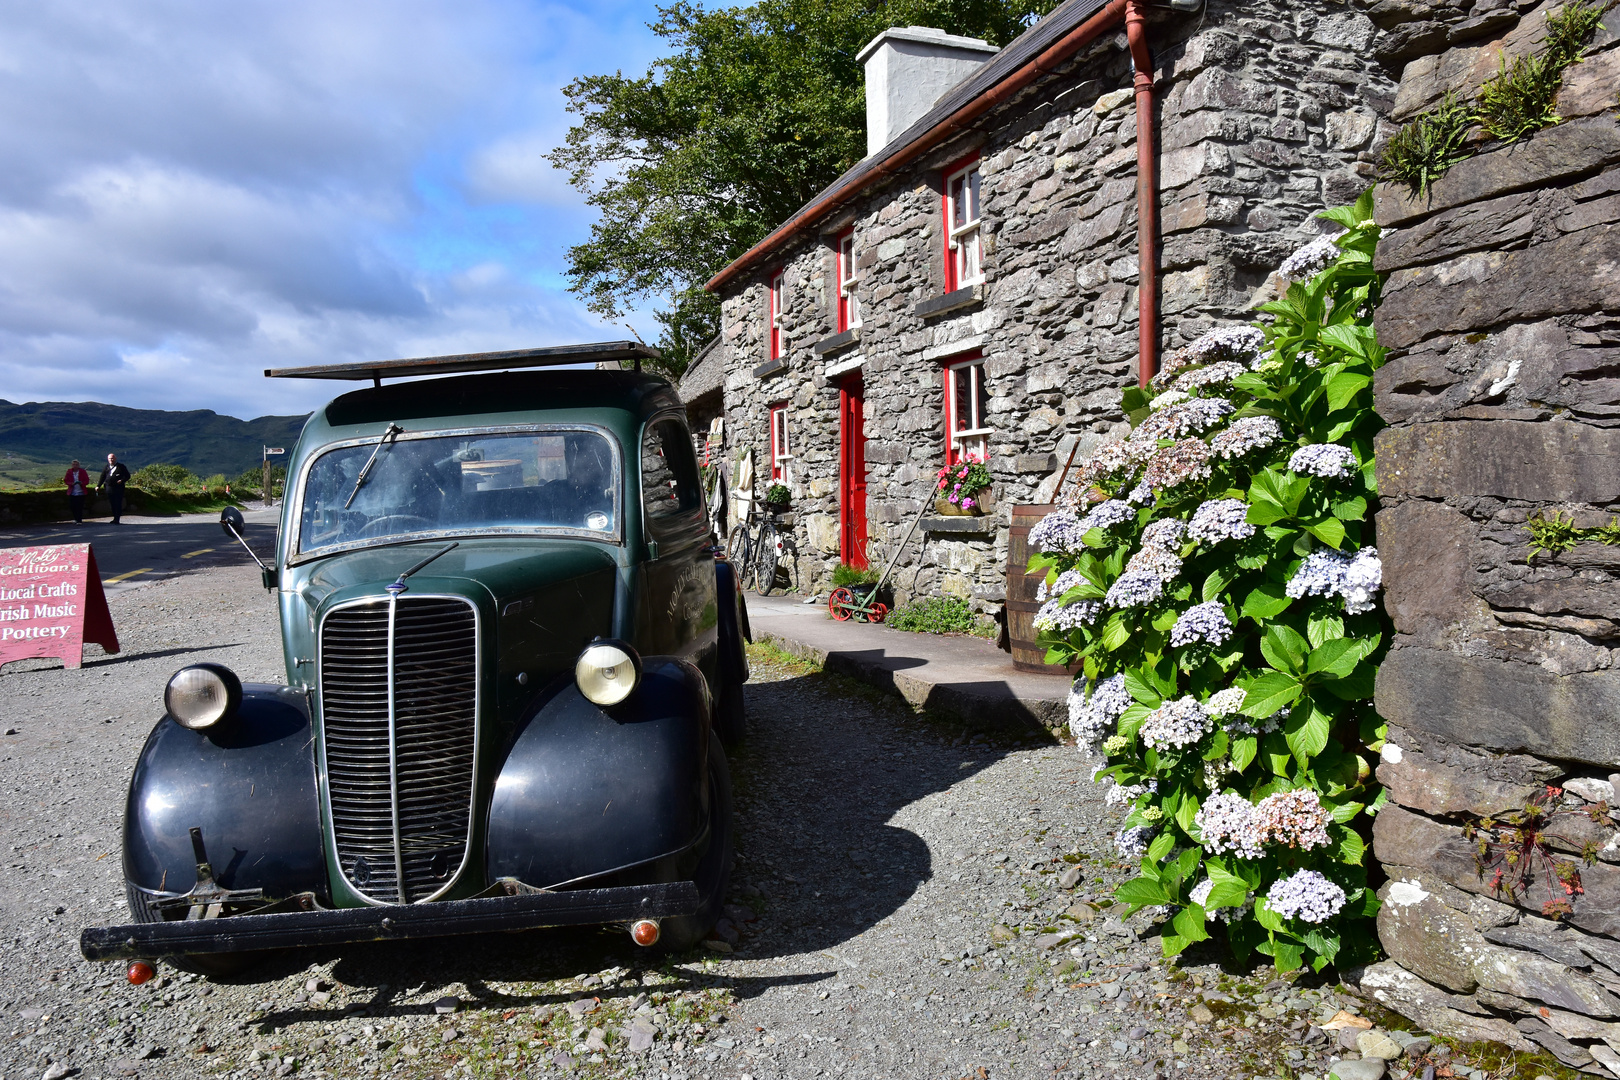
<point>490,482</point>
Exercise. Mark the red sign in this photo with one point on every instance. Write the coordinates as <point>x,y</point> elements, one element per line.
<point>51,603</point>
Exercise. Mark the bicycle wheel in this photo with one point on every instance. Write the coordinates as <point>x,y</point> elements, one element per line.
<point>765,564</point>
<point>741,554</point>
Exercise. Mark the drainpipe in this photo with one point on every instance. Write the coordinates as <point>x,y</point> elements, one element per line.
<point>1147,197</point>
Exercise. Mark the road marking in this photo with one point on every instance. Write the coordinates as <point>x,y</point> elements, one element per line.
<point>194,554</point>
<point>125,577</point>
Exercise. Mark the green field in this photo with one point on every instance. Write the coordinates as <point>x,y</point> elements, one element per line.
<point>18,472</point>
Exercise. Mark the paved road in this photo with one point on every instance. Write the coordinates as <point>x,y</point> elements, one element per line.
<point>147,549</point>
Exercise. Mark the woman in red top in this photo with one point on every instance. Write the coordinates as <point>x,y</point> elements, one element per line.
<point>78,482</point>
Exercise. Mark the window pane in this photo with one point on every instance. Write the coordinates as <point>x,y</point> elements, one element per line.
<point>959,208</point>
<point>972,185</point>
<point>508,480</point>
<point>962,413</point>
<point>969,265</point>
<point>669,484</point>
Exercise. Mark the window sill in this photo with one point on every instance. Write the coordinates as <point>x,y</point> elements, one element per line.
<point>833,344</point>
<point>771,367</point>
<point>951,301</point>
<point>981,525</point>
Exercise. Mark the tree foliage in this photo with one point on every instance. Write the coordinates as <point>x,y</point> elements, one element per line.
<point>754,111</point>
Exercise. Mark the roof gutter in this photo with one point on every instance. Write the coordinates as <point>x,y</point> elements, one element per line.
<point>1059,51</point>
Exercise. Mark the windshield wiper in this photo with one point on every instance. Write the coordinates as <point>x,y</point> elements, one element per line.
<point>365,470</point>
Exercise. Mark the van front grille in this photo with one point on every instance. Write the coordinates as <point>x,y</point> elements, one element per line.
<point>400,779</point>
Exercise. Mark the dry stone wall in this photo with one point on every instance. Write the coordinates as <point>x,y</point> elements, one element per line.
<point>1501,689</point>
<point>1268,113</point>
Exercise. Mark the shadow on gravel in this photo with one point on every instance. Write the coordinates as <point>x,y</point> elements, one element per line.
<point>819,778</point>
<point>125,658</point>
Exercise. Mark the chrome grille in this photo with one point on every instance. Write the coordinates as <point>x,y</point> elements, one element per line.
<point>400,769</point>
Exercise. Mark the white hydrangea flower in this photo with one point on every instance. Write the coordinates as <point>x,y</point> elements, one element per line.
<point>1307,896</point>
<point>1174,724</point>
<point>1220,519</point>
<point>1204,624</point>
<point>1246,435</point>
<point>1092,719</point>
<point>1330,461</point>
<point>1225,702</point>
<point>1310,260</point>
<point>1167,399</point>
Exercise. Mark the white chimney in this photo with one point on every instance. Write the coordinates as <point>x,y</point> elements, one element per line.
<point>908,68</point>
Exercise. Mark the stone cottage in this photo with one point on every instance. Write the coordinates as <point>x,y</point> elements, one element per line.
<point>982,285</point>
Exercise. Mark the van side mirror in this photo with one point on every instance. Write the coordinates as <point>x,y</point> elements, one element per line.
<point>230,519</point>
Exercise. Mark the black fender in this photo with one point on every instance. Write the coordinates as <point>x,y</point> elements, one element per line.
<point>590,793</point>
<point>248,783</point>
<point>734,628</point>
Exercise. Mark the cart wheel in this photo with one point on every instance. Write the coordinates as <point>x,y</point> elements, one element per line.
<point>879,613</point>
<point>839,604</point>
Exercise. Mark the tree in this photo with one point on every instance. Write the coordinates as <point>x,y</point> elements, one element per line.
<point>755,110</point>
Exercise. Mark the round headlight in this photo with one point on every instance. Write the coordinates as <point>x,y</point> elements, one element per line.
<point>202,695</point>
<point>607,671</point>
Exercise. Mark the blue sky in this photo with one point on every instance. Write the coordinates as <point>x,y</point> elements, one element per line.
<point>195,191</point>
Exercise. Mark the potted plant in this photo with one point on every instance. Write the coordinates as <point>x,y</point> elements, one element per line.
<point>777,498</point>
<point>964,488</point>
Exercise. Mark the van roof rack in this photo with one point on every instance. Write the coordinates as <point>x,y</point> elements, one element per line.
<point>552,356</point>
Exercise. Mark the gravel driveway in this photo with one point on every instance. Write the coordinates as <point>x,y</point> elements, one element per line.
<point>900,909</point>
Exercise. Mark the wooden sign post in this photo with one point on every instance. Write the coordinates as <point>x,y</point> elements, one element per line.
<point>51,603</point>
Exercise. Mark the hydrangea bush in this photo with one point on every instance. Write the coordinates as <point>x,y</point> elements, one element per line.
<point>1216,576</point>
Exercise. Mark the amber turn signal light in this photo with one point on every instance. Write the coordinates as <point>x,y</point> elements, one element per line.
<point>645,932</point>
<point>140,971</point>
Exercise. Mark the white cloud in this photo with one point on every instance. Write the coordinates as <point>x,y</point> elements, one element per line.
<point>196,191</point>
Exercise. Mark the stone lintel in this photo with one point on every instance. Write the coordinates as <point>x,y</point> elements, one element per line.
<point>826,345</point>
<point>771,367</point>
<point>954,348</point>
<point>980,524</point>
<point>951,301</point>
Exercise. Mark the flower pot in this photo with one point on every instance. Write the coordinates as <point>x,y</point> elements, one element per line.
<point>983,503</point>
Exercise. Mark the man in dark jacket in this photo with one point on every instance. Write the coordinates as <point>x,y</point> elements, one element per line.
<point>113,479</point>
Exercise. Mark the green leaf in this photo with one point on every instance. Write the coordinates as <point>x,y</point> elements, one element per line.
<point>1264,602</point>
<point>1324,945</point>
<point>1184,817</point>
<point>1283,648</point>
<point>1353,508</point>
<point>1286,954</point>
<point>1243,751</point>
<point>1217,582</point>
<point>1161,846</point>
<point>1337,658</point>
<point>1344,387</point>
<point>1272,691</point>
<point>1114,632</point>
<point>1307,733</point>
<point>1265,916</point>
<point>1130,721</point>
<point>1329,530</point>
<point>1357,686</point>
<point>1351,848</point>
<point>1141,891</point>
<point>1264,512</point>
<point>1275,747</point>
<point>1189,923</point>
<point>1172,944</point>
<point>1322,628</point>
<point>1141,690</point>
<point>1228,890</point>
<point>1132,399</point>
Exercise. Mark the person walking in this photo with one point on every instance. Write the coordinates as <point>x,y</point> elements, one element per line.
<point>78,482</point>
<point>113,479</point>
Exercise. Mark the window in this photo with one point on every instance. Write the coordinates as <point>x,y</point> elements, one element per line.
<point>849,306</point>
<point>773,331</point>
<point>962,249</point>
<point>669,475</point>
<point>781,456</point>
<point>967,438</point>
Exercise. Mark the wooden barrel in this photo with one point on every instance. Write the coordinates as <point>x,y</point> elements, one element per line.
<point>1021,603</point>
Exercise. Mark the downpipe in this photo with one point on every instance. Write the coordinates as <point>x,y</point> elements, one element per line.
<point>1147,196</point>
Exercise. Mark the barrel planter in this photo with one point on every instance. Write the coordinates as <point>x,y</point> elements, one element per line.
<point>1021,603</point>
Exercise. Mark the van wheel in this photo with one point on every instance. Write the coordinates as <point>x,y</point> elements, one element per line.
<point>214,965</point>
<point>713,874</point>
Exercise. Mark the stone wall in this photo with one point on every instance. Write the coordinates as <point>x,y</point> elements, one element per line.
<point>1502,314</point>
<point>1268,113</point>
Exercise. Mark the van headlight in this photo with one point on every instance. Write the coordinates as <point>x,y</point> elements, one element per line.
<point>608,671</point>
<point>202,695</point>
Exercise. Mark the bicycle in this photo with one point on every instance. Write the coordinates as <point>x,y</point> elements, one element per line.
<point>740,550</point>
<point>772,546</point>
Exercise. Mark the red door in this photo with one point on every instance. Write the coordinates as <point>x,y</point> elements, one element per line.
<point>852,470</point>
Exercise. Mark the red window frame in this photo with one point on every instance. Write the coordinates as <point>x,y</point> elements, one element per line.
<point>773,323</point>
<point>781,452</point>
<point>971,365</point>
<point>848,304</point>
<point>955,254</point>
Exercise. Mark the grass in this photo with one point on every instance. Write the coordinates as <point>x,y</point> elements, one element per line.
<point>940,615</point>
<point>1422,150</point>
<point>1518,101</point>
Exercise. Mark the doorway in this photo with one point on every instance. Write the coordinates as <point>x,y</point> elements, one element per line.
<point>852,470</point>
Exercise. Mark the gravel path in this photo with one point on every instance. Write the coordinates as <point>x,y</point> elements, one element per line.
<point>909,901</point>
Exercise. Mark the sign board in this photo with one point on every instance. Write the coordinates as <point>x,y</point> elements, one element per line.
<point>272,451</point>
<point>51,603</point>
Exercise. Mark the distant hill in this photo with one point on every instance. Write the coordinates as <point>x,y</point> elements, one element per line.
<point>202,441</point>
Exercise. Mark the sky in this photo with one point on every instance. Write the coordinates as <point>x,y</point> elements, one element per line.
<point>194,191</point>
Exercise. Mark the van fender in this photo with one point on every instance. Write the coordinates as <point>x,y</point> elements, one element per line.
<point>734,628</point>
<point>615,796</point>
<point>248,784</point>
